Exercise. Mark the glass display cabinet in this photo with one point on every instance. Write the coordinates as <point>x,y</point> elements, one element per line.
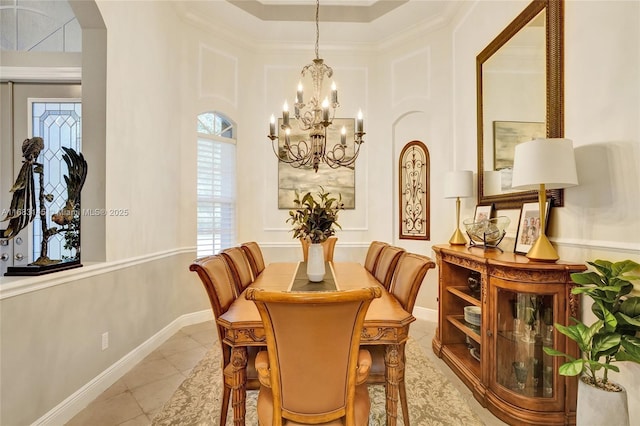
<point>524,325</point>
<point>499,355</point>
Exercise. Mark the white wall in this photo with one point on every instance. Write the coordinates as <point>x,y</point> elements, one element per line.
<point>602,111</point>
<point>144,133</point>
<point>51,326</point>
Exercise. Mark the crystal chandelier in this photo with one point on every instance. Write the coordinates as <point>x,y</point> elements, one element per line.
<point>314,117</point>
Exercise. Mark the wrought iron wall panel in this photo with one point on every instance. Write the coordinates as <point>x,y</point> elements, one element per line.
<point>414,191</point>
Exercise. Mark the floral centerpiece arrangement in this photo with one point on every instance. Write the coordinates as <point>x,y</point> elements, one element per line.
<point>314,219</point>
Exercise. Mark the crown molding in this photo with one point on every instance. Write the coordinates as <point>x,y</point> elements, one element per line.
<point>344,11</point>
<point>36,74</point>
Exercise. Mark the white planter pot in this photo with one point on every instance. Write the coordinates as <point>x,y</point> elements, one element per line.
<point>315,263</point>
<point>597,407</point>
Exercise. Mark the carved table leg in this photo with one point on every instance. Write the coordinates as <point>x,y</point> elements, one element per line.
<point>393,367</point>
<point>236,373</point>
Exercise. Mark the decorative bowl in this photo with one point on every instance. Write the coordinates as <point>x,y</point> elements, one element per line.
<point>472,315</point>
<point>488,232</point>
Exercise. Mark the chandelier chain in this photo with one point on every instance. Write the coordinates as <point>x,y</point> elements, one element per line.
<point>317,27</point>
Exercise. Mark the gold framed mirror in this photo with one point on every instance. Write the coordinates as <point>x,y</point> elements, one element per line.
<point>520,91</point>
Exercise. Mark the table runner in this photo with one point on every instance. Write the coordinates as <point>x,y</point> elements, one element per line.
<point>301,282</point>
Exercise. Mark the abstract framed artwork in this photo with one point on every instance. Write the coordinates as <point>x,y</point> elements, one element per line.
<point>335,181</point>
<point>414,191</point>
<point>506,135</point>
<point>529,226</point>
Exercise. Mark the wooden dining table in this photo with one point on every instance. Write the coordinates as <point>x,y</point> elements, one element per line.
<point>386,323</point>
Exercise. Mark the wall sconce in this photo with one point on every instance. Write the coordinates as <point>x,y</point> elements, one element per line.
<point>458,184</point>
<point>543,164</point>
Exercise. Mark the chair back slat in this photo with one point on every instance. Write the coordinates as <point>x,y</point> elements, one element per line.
<point>254,255</point>
<point>239,266</point>
<point>408,277</point>
<point>386,264</point>
<point>372,255</point>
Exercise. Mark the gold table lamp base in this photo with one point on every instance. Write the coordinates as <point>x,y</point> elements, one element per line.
<point>458,239</point>
<point>542,250</point>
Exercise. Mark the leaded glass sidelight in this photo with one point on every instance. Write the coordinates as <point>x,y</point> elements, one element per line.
<point>60,125</point>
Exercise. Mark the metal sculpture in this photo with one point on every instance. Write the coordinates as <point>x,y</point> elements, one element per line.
<point>23,205</point>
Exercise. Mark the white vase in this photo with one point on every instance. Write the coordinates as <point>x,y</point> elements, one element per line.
<point>597,407</point>
<point>315,263</point>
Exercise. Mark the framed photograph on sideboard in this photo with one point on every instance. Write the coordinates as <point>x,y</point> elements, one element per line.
<point>529,226</point>
<point>483,213</point>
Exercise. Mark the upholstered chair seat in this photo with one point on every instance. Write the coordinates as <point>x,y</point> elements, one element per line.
<point>362,404</point>
<point>314,371</point>
<point>408,276</point>
<point>217,279</point>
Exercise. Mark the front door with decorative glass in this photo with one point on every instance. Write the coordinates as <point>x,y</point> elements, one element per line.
<point>52,112</point>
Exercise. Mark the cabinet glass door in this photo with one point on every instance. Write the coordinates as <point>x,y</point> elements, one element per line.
<point>524,325</point>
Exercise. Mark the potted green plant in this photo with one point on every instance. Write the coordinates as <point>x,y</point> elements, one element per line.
<point>315,219</point>
<point>613,337</point>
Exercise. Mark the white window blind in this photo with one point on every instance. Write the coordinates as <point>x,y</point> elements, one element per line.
<point>216,194</point>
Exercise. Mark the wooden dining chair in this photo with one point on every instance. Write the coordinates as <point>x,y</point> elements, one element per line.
<point>328,247</point>
<point>407,279</point>
<point>240,268</point>
<point>217,280</point>
<point>254,256</point>
<point>314,370</point>
<point>372,255</point>
<point>386,264</point>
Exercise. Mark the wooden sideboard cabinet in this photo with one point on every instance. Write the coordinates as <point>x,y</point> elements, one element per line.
<point>502,360</point>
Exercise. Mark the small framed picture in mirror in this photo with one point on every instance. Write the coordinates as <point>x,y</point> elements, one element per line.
<point>483,213</point>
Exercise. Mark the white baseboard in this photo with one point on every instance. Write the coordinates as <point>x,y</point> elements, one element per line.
<point>76,402</point>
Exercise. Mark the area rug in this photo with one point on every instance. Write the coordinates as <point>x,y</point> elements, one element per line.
<point>432,399</point>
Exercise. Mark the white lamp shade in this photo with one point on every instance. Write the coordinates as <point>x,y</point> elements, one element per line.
<point>544,161</point>
<point>492,182</point>
<point>458,184</point>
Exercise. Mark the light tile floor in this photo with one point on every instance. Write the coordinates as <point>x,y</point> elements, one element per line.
<point>137,397</point>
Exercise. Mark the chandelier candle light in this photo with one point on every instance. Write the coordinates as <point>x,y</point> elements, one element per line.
<point>314,117</point>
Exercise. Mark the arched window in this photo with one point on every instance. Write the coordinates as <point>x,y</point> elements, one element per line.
<point>216,216</point>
